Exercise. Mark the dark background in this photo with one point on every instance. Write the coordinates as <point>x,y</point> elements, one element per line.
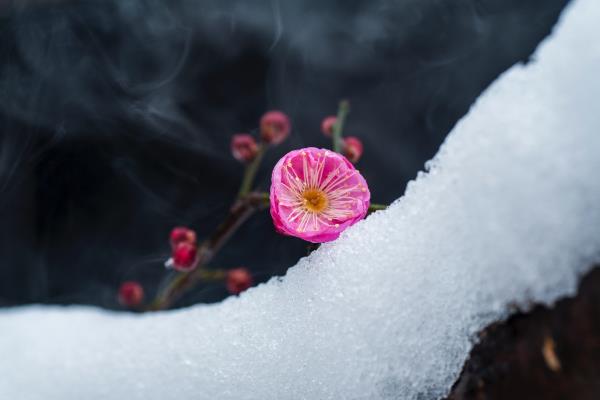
<point>116,116</point>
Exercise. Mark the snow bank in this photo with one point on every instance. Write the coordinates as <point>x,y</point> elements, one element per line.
<point>510,211</point>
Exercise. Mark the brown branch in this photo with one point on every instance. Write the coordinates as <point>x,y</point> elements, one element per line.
<point>243,209</point>
<point>544,353</point>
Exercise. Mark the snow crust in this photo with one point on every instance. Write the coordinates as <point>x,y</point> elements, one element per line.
<point>509,211</point>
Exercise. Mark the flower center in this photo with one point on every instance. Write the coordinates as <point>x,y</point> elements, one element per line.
<point>315,200</point>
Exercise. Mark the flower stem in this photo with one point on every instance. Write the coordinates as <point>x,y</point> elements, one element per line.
<point>338,127</point>
<point>375,207</point>
<point>251,170</point>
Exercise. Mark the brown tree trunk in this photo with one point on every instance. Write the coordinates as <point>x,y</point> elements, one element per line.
<point>546,353</point>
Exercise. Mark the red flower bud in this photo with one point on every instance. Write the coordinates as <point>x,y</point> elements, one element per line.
<point>184,256</point>
<point>243,147</point>
<point>328,124</point>
<point>131,294</point>
<point>238,280</point>
<point>181,234</point>
<point>353,148</point>
<point>274,127</point>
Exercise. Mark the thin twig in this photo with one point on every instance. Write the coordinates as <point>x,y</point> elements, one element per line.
<point>338,127</point>
<point>251,170</point>
<point>239,213</point>
<point>375,207</point>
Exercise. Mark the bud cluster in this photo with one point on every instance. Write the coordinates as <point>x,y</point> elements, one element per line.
<point>274,128</point>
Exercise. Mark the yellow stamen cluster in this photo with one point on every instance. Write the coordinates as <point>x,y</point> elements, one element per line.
<point>315,200</point>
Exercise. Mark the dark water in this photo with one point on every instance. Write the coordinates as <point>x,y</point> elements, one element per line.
<point>116,116</point>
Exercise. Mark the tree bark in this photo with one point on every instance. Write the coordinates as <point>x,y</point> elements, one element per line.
<point>546,353</point>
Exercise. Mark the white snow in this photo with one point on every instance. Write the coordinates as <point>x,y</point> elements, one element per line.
<point>510,211</point>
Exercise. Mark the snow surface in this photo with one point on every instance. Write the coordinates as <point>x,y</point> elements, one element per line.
<point>510,211</point>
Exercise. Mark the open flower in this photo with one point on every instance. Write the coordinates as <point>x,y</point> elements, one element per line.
<point>316,194</point>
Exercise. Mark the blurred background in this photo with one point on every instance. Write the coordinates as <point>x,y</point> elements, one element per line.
<point>116,118</point>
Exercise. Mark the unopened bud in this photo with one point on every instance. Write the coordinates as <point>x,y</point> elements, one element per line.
<point>131,294</point>
<point>353,148</point>
<point>274,127</point>
<point>328,125</point>
<point>238,280</point>
<point>184,257</point>
<point>181,234</point>
<point>244,147</point>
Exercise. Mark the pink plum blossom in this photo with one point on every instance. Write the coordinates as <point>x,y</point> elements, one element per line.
<point>316,194</point>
